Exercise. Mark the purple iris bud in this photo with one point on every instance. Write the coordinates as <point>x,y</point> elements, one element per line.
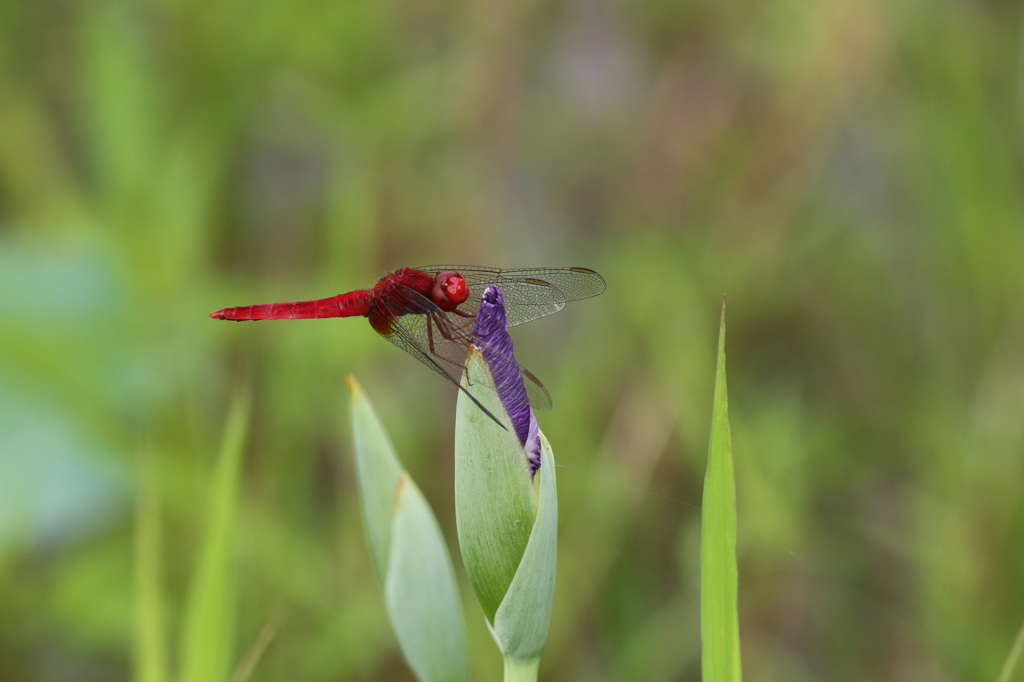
<point>490,335</point>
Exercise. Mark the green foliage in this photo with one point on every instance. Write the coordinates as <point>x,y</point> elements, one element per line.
<point>409,553</point>
<point>507,521</point>
<point>720,629</point>
<point>521,622</point>
<point>380,477</point>
<point>151,661</point>
<point>1013,658</point>
<point>496,502</point>
<point>208,628</point>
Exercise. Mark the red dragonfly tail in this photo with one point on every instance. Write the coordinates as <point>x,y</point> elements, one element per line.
<point>343,305</point>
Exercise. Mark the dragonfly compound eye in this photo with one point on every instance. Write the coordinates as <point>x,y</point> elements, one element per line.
<point>450,290</point>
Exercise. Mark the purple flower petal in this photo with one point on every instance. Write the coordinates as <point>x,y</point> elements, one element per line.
<point>490,335</point>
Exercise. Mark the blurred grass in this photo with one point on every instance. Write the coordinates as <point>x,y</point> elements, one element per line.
<point>848,172</point>
<point>150,659</point>
<point>208,623</point>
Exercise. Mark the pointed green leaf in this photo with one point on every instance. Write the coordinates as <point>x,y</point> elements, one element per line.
<point>495,500</point>
<point>521,623</point>
<point>207,639</point>
<point>378,471</point>
<point>422,597</point>
<point>720,635</point>
<point>409,553</point>
<point>1013,658</point>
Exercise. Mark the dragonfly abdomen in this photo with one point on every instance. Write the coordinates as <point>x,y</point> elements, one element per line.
<point>343,305</point>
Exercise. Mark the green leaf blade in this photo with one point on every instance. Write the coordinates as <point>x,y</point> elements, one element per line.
<point>521,622</point>
<point>409,553</point>
<point>207,639</point>
<point>378,472</point>
<point>421,593</point>
<point>720,638</point>
<point>495,501</point>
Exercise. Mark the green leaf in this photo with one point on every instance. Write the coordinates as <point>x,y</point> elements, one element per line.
<point>378,471</point>
<point>422,597</point>
<point>508,525</point>
<point>495,500</point>
<point>1013,658</point>
<point>720,635</point>
<point>207,639</point>
<point>409,553</point>
<point>521,623</point>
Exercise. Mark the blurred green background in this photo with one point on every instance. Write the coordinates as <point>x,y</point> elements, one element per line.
<point>849,173</point>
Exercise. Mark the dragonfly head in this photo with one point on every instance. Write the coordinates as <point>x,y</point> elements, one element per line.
<point>449,291</point>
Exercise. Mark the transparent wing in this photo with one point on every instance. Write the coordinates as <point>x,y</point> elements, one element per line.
<point>439,340</point>
<point>530,293</point>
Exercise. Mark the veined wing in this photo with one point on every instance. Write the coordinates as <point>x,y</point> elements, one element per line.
<point>440,341</point>
<point>530,293</point>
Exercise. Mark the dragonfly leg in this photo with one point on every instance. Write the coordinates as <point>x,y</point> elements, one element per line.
<point>447,335</point>
<point>462,332</point>
<point>430,334</point>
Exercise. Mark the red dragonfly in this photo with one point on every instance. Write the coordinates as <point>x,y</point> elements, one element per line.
<point>429,311</point>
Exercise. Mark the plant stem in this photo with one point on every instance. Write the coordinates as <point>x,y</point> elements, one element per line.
<point>518,670</point>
